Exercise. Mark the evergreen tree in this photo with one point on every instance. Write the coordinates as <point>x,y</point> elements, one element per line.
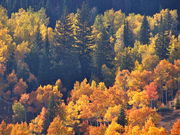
<point>64,32</point>
<point>44,64</point>
<point>122,118</point>
<point>125,59</point>
<point>53,10</point>
<point>162,42</point>
<point>162,45</point>
<point>62,52</point>
<point>174,49</point>
<point>33,58</point>
<point>104,50</point>
<point>83,43</point>
<point>51,113</point>
<point>144,31</point>
<point>85,12</point>
<point>168,23</point>
<point>100,55</point>
<point>64,9</point>
<point>128,35</point>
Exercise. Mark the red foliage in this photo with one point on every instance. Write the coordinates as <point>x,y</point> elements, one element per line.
<point>151,91</point>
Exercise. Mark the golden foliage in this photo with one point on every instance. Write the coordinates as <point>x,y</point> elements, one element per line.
<point>96,130</point>
<point>20,129</point>
<point>176,128</point>
<point>36,125</point>
<point>5,129</point>
<point>138,98</point>
<point>114,129</point>
<point>140,116</point>
<point>57,127</point>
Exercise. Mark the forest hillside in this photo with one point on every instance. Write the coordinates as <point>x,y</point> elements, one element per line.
<point>89,67</point>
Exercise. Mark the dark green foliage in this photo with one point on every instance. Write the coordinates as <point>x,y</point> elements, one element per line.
<point>51,113</point>
<point>144,31</point>
<point>55,8</point>
<point>80,49</point>
<point>78,45</point>
<point>168,24</point>
<point>122,118</point>
<point>104,51</point>
<point>83,42</point>
<point>63,56</point>
<point>163,37</point>
<point>162,45</point>
<point>64,33</point>
<point>128,35</point>
<point>126,59</point>
<point>38,59</point>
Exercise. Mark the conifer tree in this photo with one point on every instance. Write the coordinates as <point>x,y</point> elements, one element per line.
<point>126,59</point>
<point>64,32</point>
<point>51,113</point>
<point>83,43</point>
<point>85,12</point>
<point>104,50</point>
<point>174,49</point>
<point>62,52</point>
<point>100,53</point>
<point>128,35</point>
<point>44,64</point>
<point>144,31</point>
<point>162,43</point>
<point>122,117</point>
<point>33,58</point>
<point>168,23</point>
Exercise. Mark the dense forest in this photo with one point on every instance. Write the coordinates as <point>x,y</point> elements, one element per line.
<point>88,67</point>
<point>55,9</point>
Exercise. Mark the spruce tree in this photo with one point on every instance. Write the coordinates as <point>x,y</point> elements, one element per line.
<point>85,12</point>
<point>51,113</point>
<point>144,31</point>
<point>83,43</point>
<point>64,32</point>
<point>167,22</point>
<point>100,55</point>
<point>162,45</point>
<point>62,52</point>
<point>44,64</point>
<point>162,41</point>
<point>104,50</point>
<point>125,59</point>
<point>33,58</point>
<point>174,49</point>
<point>122,118</point>
<point>64,42</point>
<point>128,35</point>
